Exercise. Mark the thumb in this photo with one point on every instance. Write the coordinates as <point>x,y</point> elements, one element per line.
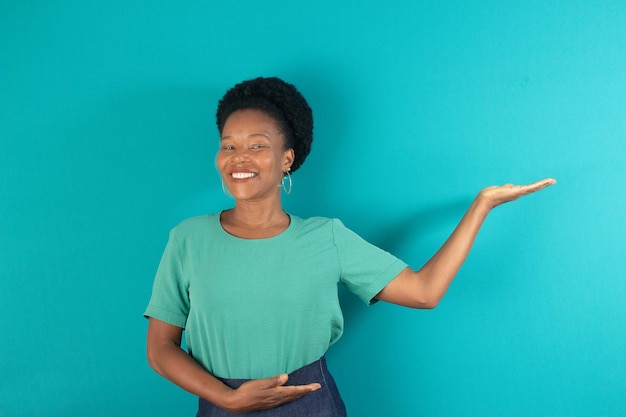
<point>277,380</point>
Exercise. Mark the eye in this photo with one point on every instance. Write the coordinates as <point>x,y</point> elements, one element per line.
<point>228,147</point>
<point>257,146</point>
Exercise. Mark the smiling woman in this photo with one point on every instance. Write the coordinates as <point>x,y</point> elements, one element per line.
<point>253,157</point>
<point>258,323</point>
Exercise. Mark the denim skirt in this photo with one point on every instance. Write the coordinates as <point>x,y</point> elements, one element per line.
<point>325,402</point>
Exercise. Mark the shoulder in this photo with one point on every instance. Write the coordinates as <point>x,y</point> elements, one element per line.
<point>193,226</point>
<point>193,223</point>
<point>312,223</point>
<point>319,225</point>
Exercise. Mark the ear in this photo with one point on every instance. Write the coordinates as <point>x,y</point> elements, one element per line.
<point>290,156</point>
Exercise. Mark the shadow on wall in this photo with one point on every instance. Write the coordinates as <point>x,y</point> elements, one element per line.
<point>418,235</point>
<point>396,235</point>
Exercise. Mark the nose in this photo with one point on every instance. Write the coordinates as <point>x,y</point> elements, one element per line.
<point>238,156</point>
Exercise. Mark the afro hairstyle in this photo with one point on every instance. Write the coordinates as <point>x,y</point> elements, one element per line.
<point>279,100</point>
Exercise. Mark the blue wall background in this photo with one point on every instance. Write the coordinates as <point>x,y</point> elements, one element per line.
<point>107,141</point>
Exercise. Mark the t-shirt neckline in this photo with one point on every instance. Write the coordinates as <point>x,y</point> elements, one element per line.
<point>285,233</point>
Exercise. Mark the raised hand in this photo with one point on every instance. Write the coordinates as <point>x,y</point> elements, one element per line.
<point>261,394</point>
<point>500,194</point>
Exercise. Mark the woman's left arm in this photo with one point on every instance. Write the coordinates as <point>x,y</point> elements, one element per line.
<point>425,288</point>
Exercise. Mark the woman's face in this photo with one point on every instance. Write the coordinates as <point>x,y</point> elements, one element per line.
<point>252,158</point>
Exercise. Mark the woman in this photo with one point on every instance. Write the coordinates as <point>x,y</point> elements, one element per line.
<point>256,288</point>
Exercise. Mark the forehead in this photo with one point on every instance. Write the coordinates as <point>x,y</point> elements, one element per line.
<point>249,121</point>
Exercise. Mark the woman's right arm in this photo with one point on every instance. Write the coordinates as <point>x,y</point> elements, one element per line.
<point>169,360</point>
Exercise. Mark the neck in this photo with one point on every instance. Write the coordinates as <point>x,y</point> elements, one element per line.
<point>255,219</point>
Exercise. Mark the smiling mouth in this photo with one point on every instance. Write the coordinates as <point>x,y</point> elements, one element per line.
<point>243,175</point>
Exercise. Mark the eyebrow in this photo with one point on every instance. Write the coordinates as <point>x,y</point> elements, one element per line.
<point>249,136</point>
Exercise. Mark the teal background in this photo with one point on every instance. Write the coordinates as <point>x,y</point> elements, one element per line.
<point>107,141</point>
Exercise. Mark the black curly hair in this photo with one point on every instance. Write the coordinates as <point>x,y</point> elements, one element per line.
<point>279,100</point>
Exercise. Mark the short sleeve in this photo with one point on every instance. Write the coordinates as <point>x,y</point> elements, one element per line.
<point>365,269</point>
<point>170,296</point>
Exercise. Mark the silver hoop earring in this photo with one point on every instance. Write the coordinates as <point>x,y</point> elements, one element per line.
<point>225,190</point>
<point>283,185</point>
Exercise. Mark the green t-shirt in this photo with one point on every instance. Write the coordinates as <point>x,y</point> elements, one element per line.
<point>253,308</point>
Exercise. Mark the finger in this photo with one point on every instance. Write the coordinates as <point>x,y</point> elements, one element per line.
<point>539,185</point>
<point>273,397</point>
<point>282,395</point>
<point>281,379</point>
<point>293,392</point>
<point>273,382</point>
<point>544,182</point>
<point>314,386</point>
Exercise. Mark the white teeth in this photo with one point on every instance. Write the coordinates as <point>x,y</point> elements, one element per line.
<point>243,175</point>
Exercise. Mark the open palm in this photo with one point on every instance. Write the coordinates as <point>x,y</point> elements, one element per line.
<point>500,194</point>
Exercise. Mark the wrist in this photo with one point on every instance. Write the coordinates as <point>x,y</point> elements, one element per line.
<point>229,402</point>
<point>483,204</point>
<point>224,397</point>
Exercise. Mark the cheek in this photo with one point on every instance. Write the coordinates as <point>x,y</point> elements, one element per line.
<point>278,161</point>
<point>220,161</point>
